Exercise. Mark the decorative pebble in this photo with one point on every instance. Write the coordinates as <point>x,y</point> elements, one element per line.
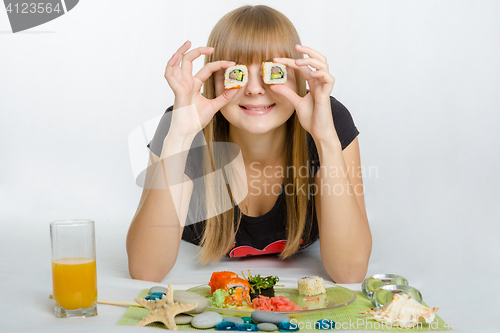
<point>207,319</point>
<point>247,320</point>
<point>268,327</point>
<point>269,317</point>
<point>188,297</point>
<point>183,319</point>
<point>247,327</point>
<point>325,324</point>
<point>236,320</point>
<point>154,296</point>
<point>225,326</point>
<point>158,289</point>
<point>287,327</point>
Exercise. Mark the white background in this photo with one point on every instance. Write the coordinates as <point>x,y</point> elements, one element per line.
<point>419,77</point>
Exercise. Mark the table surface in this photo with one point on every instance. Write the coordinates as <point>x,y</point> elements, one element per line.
<point>26,282</point>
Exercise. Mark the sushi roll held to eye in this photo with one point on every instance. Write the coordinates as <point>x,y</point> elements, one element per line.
<point>273,73</point>
<point>236,77</point>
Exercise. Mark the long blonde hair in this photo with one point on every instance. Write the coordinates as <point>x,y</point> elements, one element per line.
<point>247,35</point>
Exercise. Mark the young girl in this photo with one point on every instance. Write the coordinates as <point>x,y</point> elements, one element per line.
<point>299,149</point>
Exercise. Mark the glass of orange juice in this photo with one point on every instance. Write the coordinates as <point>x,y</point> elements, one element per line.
<point>74,276</point>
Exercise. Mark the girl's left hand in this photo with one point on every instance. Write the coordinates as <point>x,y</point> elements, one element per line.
<point>313,110</point>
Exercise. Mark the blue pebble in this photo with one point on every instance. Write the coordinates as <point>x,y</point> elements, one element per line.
<point>325,324</point>
<point>154,296</point>
<point>287,327</point>
<point>225,326</point>
<point>247,320</point>
<point>247,327</point>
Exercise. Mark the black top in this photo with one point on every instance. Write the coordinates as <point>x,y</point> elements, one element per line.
<point>265,234</point>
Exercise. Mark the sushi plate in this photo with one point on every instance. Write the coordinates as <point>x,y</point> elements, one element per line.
<point>335,297</point>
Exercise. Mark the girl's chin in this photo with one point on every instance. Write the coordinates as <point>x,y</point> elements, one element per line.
<point>257,127</point>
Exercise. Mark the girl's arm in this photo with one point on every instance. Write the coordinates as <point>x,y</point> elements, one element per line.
<point>345,238</point>
<point>155,233</point>
<point>344,233</point>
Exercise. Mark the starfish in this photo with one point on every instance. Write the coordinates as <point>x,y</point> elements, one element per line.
<point>163,310</point>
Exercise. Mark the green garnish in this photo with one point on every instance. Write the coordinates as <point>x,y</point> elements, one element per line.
<point>259,283</point>
<point>219,297</point>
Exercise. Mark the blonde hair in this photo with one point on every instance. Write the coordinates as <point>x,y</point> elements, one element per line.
<point>246,35</point>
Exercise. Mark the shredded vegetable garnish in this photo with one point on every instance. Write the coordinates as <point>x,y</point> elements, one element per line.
<point>258,283</point>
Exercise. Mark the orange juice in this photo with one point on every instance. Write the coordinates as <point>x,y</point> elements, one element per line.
<point>74,283</point>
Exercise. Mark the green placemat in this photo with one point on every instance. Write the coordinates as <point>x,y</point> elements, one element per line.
<point>345,318</point>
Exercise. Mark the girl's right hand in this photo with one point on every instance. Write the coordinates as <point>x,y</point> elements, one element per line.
<point>189,102</point>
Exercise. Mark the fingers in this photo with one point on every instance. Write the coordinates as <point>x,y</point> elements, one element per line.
<point>180,56</point>
<point>310,52</point>
<point>212,67</point>
<point>315,63</point>
<point>223,99</point>
<point>323,75</point>
<point>187,60</point>
<point>303,70</point>
<point>173,62</point>
<point>180,52</point>
<point>169,71</point>
<point>287,93</point>
<point>181,64</point>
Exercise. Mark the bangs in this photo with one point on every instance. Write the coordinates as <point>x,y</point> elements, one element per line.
<point>253,35</point>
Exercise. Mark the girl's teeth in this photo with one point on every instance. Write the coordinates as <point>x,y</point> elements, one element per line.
<point>256,109</point>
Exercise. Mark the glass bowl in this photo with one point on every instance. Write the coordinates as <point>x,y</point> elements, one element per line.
<point>384,294</point>
<point>378,280</point>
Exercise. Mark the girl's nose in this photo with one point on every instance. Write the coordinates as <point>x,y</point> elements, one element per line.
<point>255,85</point>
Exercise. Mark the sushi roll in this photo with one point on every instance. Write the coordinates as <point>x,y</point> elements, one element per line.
<point>236,77</point>
<point>311,285</point>
<point>217,279</point>
<point>237,288</point>
<point>273,73</point>
<point>262,286</point>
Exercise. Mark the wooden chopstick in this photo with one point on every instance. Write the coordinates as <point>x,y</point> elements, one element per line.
<point>112,302</point>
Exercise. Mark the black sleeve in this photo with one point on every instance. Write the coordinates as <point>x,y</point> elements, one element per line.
<point>344,124</point>
<point>156,143</point>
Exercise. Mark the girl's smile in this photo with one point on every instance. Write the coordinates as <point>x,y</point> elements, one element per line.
<point>257,110</point>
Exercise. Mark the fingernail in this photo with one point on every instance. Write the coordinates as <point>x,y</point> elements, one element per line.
<point>298,45</point>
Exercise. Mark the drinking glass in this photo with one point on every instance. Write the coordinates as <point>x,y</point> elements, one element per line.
<point>74,276</point>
